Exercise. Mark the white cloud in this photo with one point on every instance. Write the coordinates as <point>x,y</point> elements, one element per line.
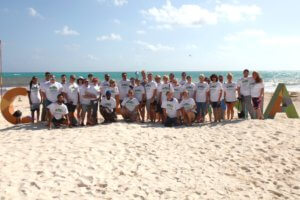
<point>141,32</point>
<point>66,31</point>
<point>236,13</point>
<point>92,57</point>
<point>120,2</point>
<point>72,47</point>
<point>186,15</point>
<point>193,15</point>
<point>34,13</point>
<point>111,36</point>
<point>154,47</point>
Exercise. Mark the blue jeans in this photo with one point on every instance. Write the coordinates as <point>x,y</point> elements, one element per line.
<point>201,108</point>
<point>94,107</point>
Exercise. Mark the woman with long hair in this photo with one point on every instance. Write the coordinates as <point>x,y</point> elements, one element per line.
<point>34,97</point>
<point>257,93</point>
<point>230,95</point>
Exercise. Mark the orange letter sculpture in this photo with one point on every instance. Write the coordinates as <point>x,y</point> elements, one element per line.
<point>7,107</point>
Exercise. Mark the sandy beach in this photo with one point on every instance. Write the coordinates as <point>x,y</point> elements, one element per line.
<point>241,159</point>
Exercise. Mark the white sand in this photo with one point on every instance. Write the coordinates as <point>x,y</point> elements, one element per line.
<point>232,160</point>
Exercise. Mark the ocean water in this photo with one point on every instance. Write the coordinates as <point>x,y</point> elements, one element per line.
<point>271,78</point>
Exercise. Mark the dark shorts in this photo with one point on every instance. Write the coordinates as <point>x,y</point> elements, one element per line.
<point>215,104</point>
<point>58,122</point>
<point>71,107</point>
<point>201,108</point>
<point>171,122</point>
<point>229,102</point>
<point>255,102</point>
<point>35,107</point>
<point>158,108</point>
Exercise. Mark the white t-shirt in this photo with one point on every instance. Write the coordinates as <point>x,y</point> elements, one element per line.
<point>72,90</point>
<point>111,103</point>
<point>53,90</point>
<point>177,91</point>
<point>138,92</point>
<point>130,104</point>
<point>44,85</point>
<point>113,90</point>
<point>215,89</point>
<point>35,95</point>
<point>245,85</point>
<point>82,91</point>
<point>124,87</point>
<point>104,85</point>
<point>188,104</point>
<point>256,89</point>
<point>182,82</point>
<point>94,89</point>
<point>201,91</point>
<point>58,111</point>
<point>190,87</point>
<point>171,107</point>
<point>230,89</point>
<point>150,87</point>
<point>163,89</point>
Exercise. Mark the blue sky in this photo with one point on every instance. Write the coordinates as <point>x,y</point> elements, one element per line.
<point>157,35</point>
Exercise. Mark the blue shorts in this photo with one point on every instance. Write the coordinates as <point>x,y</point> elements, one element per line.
<point>201,108</point>
<point>223,105</point>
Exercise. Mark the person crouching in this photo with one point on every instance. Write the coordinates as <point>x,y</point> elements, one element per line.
<point>108,108</point>
<point>58,113</point>
<point>130,107</point>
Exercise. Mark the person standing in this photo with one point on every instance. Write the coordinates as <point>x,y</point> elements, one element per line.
<point>244,87</point>
<point>124,87</point>
<point>93,93</point>
<point>85,103</point>
<point>43,87</point>
<point>230,89</point>
<point>215,94</point>
<point>139,93</point>
<point>202,98</point>
<point>189,86</point>
<point>151,89</point>
<point>35,98</point>
<point>63,79</point>
<point>162,90</point>
<point>183,79</point>
<point>257,94</point>
<point>177,90</point>
<point>105,84</point>
<point>71,95</point>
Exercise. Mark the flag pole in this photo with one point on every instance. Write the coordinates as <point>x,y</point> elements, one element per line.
<point>1,72</point>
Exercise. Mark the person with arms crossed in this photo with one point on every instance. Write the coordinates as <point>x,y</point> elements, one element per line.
<point>189,86</point>
<point>93,93</point>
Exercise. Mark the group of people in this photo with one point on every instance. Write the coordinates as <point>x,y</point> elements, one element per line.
<point>76,102</point>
